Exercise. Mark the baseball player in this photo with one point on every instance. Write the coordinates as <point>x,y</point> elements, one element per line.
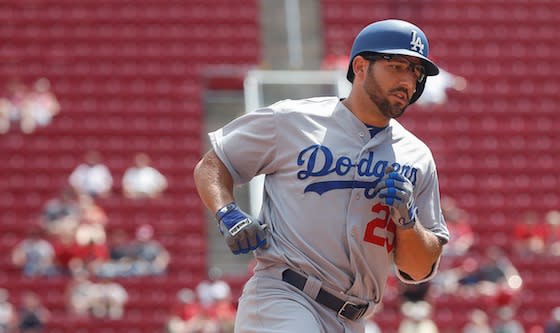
<point>348,192</point>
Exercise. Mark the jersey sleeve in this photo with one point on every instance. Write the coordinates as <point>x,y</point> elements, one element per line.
<point>246,145</point>
<point>427,199</point>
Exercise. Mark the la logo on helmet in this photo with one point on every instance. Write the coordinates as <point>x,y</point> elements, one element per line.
<point>416,43</point>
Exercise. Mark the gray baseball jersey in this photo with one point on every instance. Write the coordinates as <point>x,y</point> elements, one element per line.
<point>321,167</point>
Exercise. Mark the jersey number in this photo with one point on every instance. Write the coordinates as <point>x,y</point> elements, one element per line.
<point>384,223</point>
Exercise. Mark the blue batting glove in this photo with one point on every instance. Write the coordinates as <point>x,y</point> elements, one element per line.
<point>241,232</point>
<point>397,193</point>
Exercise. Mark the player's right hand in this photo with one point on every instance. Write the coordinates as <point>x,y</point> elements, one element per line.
<point>242,232</point>
<point>396,191</point>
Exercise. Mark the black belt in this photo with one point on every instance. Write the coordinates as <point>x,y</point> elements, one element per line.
<point>343,308</point>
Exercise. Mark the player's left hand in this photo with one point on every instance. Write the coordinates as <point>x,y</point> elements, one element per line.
<point>241,231</point>
<point>396,191</point>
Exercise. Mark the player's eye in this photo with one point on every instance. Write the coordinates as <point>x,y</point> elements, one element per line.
<point>398,66</point>
<point>401,66</point>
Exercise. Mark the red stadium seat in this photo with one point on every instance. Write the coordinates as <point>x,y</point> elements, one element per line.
<point>128,80</point>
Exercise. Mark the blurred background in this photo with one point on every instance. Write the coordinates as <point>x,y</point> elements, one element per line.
<point>104,110</point>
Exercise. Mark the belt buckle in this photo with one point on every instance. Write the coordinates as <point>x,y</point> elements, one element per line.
<point>356,315</point>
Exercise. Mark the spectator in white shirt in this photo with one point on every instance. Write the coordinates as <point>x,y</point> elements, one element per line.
<point>39,107</point>
<point>142,180</point>
<point>92,177</point>
<point>8,316</point>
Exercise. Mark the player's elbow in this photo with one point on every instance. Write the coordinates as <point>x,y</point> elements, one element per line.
<point>200,171</point>
<point>416,275</point>
<point>416,269</point>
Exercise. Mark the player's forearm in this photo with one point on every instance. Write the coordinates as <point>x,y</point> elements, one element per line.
<point>213,182</point>
<point>417,251</point>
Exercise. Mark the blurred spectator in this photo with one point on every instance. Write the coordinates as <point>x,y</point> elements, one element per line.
<point>553,240</point>
<point>79,293</point>
<point>121,256</point>
<point>215,298</point>
<point>189,316</point>
<point>119,245</point>
<point>151,257</point>
<point>417,318</point>
<point>506,322</point>
<point>108,299</point>
<point>223,309</point>
<point>91,212</point>
<point>491,276</point>
<point>8,317</point>
<point>529,235</point>
<point>60,214</point>
<point>495,270</point>
<point>211,289</point>
<point>32,314</point>
<point>91,237</point>
<point>39,106</point>
<point>87,246</point>
<point>458,224</point>
<point>141,257</point>
<point>553,324</point>
<point>90,246</point>
<point>92,177</point>
<point>101,299</point>
<point>35,255</point>
<point>478,322</point>
<point>65,249</point>
<point>435,91</point>
<point>142,180</point>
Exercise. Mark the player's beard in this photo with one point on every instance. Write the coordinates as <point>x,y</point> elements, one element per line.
<point>375,93</point>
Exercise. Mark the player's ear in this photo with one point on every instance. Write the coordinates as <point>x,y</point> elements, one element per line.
<point>359,65</point>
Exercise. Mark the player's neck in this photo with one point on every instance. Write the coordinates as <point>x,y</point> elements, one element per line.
<point>366,111</point>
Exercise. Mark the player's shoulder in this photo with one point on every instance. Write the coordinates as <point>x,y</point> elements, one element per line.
<point>318,105</point>
<point>400,133</point>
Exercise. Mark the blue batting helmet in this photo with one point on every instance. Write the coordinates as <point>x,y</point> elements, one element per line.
<point>394,37</point>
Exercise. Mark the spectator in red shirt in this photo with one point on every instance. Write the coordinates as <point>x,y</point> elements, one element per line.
<point>223,309</point>
<point>190,316</point>
<point>529,235</point>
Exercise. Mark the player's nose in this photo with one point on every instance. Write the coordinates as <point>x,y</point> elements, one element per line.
<point>408,82</point>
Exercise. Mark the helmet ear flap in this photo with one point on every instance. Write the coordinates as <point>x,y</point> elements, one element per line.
<point>350,73</point>
<point>419,89</point>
